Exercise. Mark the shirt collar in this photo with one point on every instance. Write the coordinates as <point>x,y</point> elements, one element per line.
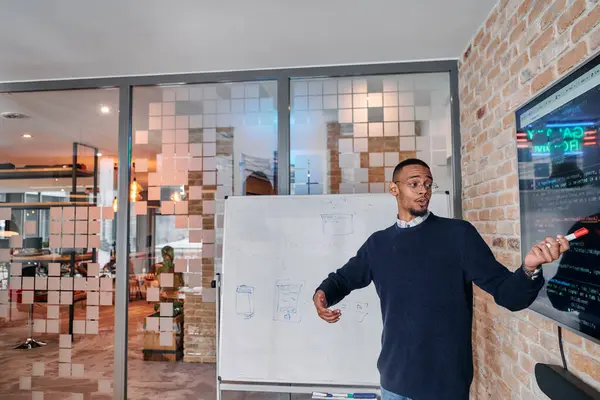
<point>414,222</point>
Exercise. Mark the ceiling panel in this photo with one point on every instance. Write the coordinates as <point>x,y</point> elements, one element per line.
<point>67,39</point>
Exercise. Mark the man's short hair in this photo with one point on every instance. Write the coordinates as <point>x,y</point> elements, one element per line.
<point>408,161</point>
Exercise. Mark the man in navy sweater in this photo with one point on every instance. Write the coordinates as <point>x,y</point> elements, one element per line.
<point>422,268</point>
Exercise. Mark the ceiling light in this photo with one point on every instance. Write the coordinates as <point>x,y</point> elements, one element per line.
<point>99,154</point>
<point>135,190</point>
<point>105,109</point>
<point>175,196</point>
<point>27,136</point>
<point>6,234</point>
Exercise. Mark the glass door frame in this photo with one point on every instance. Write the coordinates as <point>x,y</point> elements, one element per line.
<point>283,78</point>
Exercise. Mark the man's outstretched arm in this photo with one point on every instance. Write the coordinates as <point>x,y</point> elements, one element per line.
<point>355,274</point>
<point>512,290</point>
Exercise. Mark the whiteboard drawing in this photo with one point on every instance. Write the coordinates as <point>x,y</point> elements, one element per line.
<point>337,224</point>
<point>287,301</point>
<point>337,201</point>
<point>244,301</point>
<point>268,349</point>
<point>356,312</point>
<point>343,307</point>
<point>361,311</point>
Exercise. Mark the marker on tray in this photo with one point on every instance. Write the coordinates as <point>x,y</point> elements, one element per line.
<point>575,235</point>
<point>319,395</point>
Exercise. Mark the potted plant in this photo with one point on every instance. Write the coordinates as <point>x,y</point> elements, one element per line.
<point>153,349</point>
<point>168,266</point>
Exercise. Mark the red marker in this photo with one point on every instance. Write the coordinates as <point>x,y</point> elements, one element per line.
<point>575,235</point>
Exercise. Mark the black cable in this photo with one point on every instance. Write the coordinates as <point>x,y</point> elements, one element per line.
<point>562,351</point>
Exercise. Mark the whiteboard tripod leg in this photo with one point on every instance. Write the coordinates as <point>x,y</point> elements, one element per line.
<point>217,285</point>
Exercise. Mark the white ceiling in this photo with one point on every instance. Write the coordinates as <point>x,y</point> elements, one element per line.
<point>70,38</point>
<point>64,39</point>
<point>56,120</point>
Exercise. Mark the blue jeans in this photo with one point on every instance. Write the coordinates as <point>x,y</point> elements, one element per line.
<point>386,395</point>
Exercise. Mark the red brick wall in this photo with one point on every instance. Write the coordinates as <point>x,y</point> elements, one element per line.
<point>200,330</point>
<point>375,145</point>
<point>200,316</point>
<point>522,48</point>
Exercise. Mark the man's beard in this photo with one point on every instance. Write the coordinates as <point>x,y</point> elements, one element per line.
<point>417,213</point>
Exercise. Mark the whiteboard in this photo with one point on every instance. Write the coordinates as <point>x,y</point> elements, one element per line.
<point>276,252</point>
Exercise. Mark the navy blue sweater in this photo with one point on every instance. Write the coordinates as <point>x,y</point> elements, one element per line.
<point>423,278</point>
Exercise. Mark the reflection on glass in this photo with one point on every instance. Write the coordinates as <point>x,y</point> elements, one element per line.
<point>193,146</point>
<point>56,237</point>
<point>559,188</point>
<point>348,134</point>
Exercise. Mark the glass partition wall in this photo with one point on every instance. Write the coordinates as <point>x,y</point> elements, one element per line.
<point>192,146</point>
<point>57,181</point>
<point>348,134</point>
<point>179,150</point>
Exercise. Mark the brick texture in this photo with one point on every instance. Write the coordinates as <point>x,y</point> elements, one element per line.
<point>522,48</point>
<point>200,330</point>
<point>200,317</point>
<point>375,145</point>
<point>333,136</point>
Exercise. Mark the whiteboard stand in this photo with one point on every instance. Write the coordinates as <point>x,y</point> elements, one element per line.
<point>285,390</point>
<point>217,285</point>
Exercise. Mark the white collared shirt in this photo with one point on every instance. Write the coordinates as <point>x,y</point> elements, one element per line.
<point>414,222</point>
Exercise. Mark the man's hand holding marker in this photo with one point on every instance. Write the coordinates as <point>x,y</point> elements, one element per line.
<point>551,249</point>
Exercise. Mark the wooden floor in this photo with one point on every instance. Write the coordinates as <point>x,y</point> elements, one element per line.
<point>146,379</point>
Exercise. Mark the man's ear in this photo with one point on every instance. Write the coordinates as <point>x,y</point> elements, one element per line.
<point>394,189</point>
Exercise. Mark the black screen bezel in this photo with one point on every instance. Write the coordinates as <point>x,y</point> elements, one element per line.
<point>580,70</point>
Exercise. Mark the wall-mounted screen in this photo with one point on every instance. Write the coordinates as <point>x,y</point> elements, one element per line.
<point>558,156</point>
